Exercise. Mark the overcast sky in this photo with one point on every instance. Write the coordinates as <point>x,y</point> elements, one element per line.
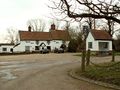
<point>15,13</point>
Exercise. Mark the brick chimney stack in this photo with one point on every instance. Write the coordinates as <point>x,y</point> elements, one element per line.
<point>29,28</point>
<point>52,27</point>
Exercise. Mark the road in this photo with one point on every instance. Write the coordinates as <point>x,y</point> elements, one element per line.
<point>43,72</point>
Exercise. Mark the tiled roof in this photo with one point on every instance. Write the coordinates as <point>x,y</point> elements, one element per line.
<point>26,35</point>
<point>60,34</point>
<point>4,44</point>
<point>53,35</point>
<point>101,35</point>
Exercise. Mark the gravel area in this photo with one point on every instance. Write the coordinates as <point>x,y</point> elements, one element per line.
<point>44,72</point>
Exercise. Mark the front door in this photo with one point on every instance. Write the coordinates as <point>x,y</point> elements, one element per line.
<point>49,48</point>
<point>37,48</point>
<point>27,48</point>
<point>42,46</point>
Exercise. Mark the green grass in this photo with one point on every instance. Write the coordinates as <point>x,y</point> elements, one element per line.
<point>117,53</point>
<point>94,54</point>
<point>103,73</point>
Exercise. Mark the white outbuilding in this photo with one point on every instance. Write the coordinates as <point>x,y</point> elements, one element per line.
<point>6,48</point>
<point>99,41</point>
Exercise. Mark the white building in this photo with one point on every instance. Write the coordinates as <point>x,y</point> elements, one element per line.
<point>35,41</point>
<point>6,48</point>
<point>99,40</point>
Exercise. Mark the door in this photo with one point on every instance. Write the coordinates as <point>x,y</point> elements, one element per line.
<point>37,48</point>
<point>27,48</point>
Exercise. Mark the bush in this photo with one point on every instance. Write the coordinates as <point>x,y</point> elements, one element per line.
<point>116,44</point>
<point>72,47</point>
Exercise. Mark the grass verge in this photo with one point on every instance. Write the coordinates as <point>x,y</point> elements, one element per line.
<point>107,72</point>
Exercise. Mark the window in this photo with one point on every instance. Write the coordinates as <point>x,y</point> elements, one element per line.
<point>36,47</point>
<point>27,41</point>
<point>49,47</point>
<point>89,44</point>
<point>37,42</point>
<point>103,45</point>
<point>57,42</point>
<point>4,49</point>
<point>63,42</point>
<point>48,42</point>
<point>106,45</point>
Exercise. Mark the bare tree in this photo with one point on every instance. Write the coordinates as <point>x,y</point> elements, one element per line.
<point>99,9</point>
<point>12,35</point>
<point>107,9</point>
<point>67,26</point>
<point>73,30</point>
<point>37,24</point>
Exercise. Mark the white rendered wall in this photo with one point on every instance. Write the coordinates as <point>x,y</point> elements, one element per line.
<point>5,46</point>
<point>95,43</point>
<point>53,44</point>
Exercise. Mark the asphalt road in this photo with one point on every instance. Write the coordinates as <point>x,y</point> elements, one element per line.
<point>43,72</point>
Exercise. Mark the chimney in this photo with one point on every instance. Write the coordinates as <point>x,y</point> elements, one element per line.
<point>52,27</point>
<point>29,28</point>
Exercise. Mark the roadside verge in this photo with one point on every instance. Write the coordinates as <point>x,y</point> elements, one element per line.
<point>72,74</point>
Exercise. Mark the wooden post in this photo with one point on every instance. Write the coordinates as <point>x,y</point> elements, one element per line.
<point>83,61</point>
<point>88,57</point>
<point>113,56</point>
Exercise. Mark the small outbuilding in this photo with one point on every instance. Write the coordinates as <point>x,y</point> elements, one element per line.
<point>99,41</point>
<point>6,48</point>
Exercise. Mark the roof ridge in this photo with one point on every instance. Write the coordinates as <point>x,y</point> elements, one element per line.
<point>101,35</point>
<point>26,35</point>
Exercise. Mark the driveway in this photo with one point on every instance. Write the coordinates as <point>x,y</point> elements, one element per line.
<point>43,72</point>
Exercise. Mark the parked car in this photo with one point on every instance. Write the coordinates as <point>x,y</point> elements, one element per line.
<point>55,50</point>
<point>43,51</point>
<point>59,50</point>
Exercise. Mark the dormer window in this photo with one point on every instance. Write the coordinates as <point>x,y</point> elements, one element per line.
<point>37,42</point>
<point>63,42</point>
<point>48,42</point>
